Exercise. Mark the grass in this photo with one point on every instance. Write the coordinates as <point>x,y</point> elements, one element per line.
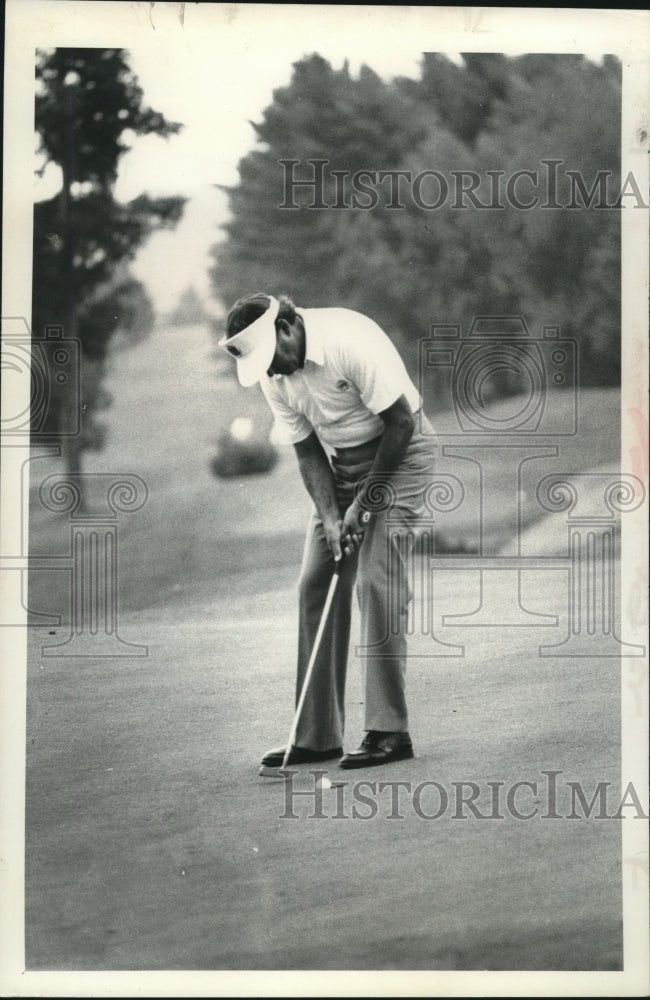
<point>151,842</point>
<point>198,534</point>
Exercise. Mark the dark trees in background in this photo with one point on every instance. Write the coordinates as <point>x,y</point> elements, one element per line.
<point>88,106</point>
<point>409,267</point>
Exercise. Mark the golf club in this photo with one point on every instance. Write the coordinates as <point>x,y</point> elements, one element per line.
<point>274,772</point>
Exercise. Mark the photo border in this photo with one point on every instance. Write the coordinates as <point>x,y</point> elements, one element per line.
<point>43,23</point>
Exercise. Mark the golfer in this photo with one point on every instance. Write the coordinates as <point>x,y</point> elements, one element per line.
<point>341,395</point>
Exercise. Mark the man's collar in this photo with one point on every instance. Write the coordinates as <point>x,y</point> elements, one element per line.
<point>313,346</point>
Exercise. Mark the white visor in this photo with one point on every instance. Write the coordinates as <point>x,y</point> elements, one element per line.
<point>254,346</point>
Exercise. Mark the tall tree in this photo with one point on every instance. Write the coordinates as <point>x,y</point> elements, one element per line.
<point>484,116</point>
<point>323,114</point>
<point>564,262</point>
<point>88,104</point>
<point>464,94</point>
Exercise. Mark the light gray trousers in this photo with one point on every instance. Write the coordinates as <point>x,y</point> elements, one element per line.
<point>379,569</point>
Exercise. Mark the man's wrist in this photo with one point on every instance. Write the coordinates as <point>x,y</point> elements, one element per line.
<point>360,501</point>
<point>330,516</point>
<point>360,508</point>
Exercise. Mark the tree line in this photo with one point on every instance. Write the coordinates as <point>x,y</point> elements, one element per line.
<point>529,150</point>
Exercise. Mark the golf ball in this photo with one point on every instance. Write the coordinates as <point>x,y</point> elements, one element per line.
<point>241,428</point>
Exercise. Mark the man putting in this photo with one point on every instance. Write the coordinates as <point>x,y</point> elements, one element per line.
<point>334,380</point>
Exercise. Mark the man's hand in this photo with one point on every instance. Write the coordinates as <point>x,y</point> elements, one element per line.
<point>399,424</point>
<point>333,528</point>
<point>353,527</point>
<point>318,477</point>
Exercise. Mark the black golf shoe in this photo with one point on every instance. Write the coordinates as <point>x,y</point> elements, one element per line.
<point>379,748</point>
<point>299,755</point>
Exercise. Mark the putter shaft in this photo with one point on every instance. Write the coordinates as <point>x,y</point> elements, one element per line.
<point>312,661</point>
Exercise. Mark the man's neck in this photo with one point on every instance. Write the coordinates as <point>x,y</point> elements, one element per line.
<point>302,340</point>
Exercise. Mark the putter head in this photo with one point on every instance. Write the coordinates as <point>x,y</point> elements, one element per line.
<point>280,773</point>
<point>272,772</point>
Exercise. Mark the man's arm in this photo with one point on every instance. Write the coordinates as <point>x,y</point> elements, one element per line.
<point>399,424</point>
<point>318,478</point>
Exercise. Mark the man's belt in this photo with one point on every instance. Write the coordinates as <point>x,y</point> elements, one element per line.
<point>358,452</point>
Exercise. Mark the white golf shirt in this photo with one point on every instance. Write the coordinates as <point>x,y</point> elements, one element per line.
<point>351,373</point>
